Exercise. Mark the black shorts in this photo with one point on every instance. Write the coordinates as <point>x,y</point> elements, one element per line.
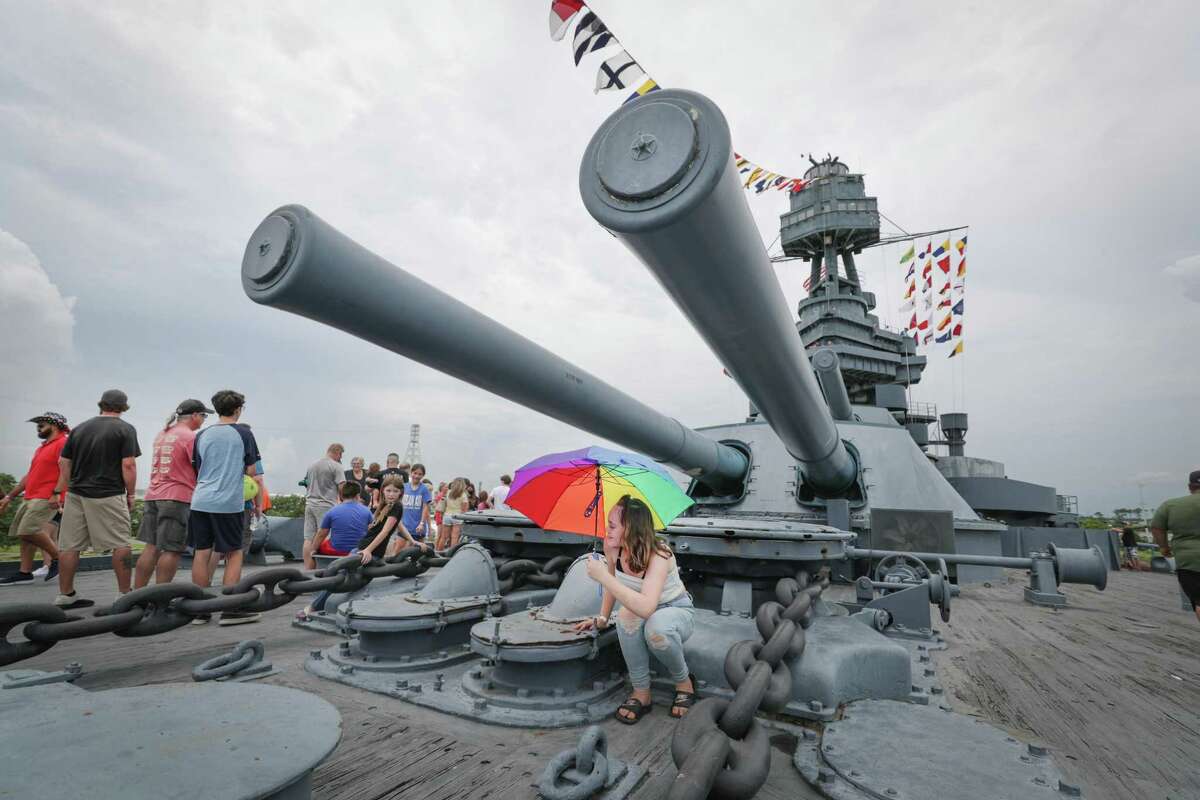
<point>220,532</point>
<point>1189,580</point>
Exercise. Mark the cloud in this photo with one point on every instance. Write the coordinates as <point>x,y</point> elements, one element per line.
<point>281,463</point>
<point>1186,271</point>
<point>36,321</point>
<point>143,143</point>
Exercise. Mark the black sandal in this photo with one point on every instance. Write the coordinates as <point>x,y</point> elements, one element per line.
<point>635,707</point>
<point>684,700</point>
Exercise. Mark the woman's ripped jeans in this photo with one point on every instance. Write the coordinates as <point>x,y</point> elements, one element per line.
<point>663,634</point>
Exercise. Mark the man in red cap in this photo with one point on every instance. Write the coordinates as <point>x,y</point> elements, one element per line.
<point>168,499</point>
<point>34,522</point>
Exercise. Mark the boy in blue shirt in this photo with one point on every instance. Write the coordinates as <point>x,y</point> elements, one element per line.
<point>222,455</point>
<point>344,524</point>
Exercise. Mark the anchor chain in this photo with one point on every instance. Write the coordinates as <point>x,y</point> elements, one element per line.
<point>582,772</point>
<point>720,749</point>
<point>165,607</point>
<point>526,571</point>
<point>243,656</point>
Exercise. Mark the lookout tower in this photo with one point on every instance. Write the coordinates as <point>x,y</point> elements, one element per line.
<point>830,221</point>
<point>413,454</point>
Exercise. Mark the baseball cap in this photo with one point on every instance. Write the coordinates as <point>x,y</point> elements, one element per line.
<point>1194,477</point>
<point>193,407</point>
<point>115,398</point>
<point>55,419</point>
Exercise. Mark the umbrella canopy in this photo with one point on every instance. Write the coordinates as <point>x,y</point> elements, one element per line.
<point>574,491</point>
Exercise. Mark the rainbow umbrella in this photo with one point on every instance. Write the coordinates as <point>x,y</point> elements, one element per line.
<point>574,491</point>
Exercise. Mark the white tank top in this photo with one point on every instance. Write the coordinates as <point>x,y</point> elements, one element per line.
<point>672,589</point>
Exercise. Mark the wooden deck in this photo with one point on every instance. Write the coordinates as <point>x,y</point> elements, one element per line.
<point>1111,685</point>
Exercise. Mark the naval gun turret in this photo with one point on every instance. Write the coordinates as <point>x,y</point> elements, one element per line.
<point>811,479</point>
<point>795,482</point>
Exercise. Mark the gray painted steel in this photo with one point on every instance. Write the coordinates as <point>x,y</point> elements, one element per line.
<point>681,210</point>
<point>898,474</point>
<point>589,771</point>
<point>1006,495</point>
<point>297,262</point>
<point>954,427</point>
<point>885,749</point>
<point>462,685</point>
<point>1021,541</point>
<point>829,375</point>
<point>282,535</point>
<point>843,661</point>
<point>24,678</point>
<point>186,741</point>
<point>950,558</point>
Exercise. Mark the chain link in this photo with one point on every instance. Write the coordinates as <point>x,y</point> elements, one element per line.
<point>244,655</point>
<point>14,614</point>
<point>591,769</point>
<point>719,748</point>
<point>519,572</point>
<point>165,607</point>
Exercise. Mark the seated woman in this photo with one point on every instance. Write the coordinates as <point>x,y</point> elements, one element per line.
<point>656,612</point>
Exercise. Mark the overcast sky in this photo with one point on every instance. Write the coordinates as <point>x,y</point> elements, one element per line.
<point>141,144</point>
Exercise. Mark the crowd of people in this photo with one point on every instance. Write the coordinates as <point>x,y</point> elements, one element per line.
<point>402,507</point>
<point>206,490</point>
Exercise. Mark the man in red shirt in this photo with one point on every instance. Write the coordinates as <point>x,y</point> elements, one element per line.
<point>34,522</point>
<point>168,499</point>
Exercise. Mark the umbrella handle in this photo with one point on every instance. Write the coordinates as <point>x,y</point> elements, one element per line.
<point>599,587</point>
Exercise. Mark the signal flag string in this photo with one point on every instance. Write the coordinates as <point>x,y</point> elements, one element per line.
<point>623,72</point>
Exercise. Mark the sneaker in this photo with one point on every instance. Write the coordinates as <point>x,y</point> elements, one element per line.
<point>15,578</point>
<point>41,571</point>
<point>72,600</point>
<point>51,573</point>
<point>202,619</point>
<point>238,617</point>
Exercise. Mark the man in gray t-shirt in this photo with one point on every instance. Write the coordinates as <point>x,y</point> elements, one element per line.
<point>323,479</point>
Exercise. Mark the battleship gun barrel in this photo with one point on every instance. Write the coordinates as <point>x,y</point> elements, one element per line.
<point>660,175</point>
<point>829,374</point>
<point>297,262</point>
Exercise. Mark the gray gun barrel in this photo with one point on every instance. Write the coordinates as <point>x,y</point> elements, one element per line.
<point>829,374</point>
<point>659,174</point>
<point>297,262</point>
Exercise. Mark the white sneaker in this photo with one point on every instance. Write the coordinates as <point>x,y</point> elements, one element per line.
<point>41,571</point>
<point>72,600</point>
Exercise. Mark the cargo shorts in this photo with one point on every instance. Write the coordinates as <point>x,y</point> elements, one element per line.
<point>31,517</point>
<point>314,512</point>
<point>94,523</point>
<point>164,525</point>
